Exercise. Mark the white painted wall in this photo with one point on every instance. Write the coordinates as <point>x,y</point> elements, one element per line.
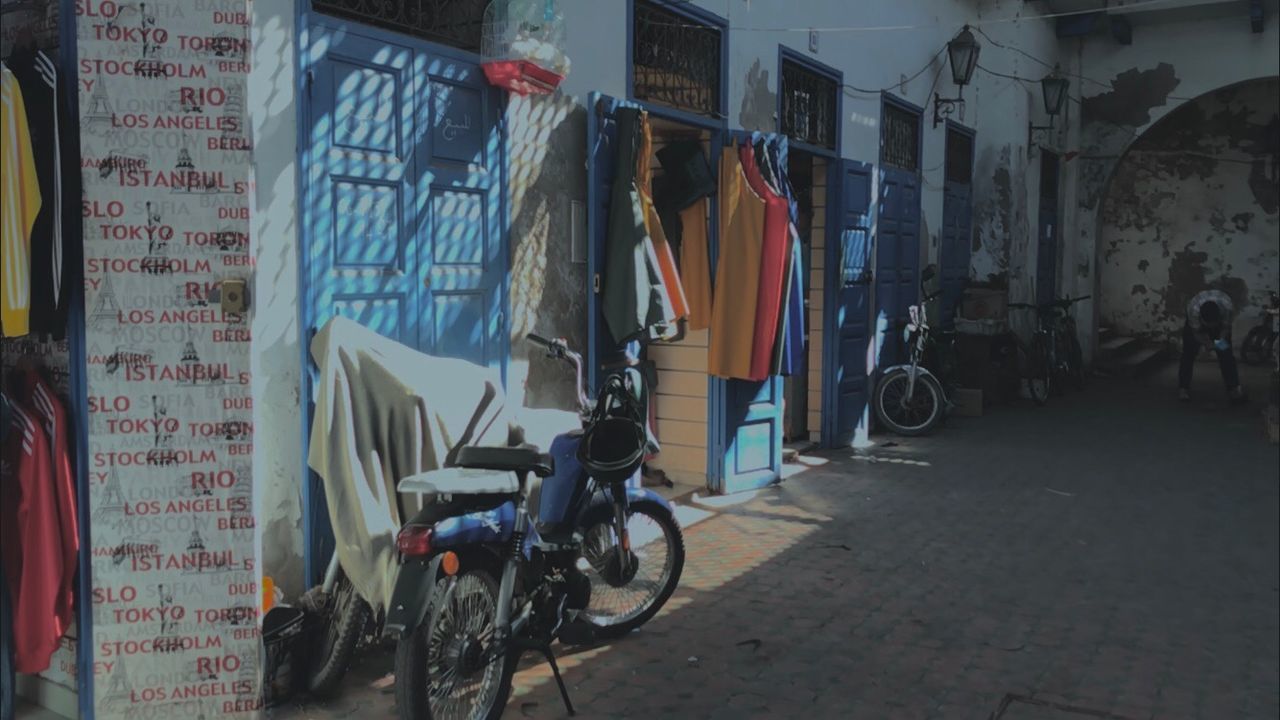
<point>277,462</point>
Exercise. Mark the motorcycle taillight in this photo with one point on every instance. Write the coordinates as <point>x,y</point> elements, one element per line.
<point>414,540</point>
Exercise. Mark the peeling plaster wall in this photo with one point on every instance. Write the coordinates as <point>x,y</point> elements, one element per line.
<point>1128,88</point>
<point>1194,204</point>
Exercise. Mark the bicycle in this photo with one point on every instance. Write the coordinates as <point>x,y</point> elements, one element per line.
<point>1260,343</point>
<point>912,398</point>
<point>1054,355</point>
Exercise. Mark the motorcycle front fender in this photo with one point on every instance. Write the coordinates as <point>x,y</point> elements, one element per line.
<point>411,596</point>
<point>605,499</point>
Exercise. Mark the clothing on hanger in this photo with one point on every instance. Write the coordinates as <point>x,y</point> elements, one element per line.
<point>36,393</point>
<point>657,236</point>
<point>49,126</point>
<point>20,203</point>
<point>773,255</point>
<point>695,263</point>
<point>737,271</point>
<point>32,545</point>
<point>634,296</point>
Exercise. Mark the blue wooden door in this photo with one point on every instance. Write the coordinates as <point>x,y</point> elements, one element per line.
<point>957,222</point>
<point>405,195</point>
<point>847,309</point>
<point>1047,230</point>
<point>403,218</point>
<point>897,246</point>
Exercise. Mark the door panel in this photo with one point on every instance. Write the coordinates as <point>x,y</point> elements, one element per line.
<point>602,135</point>
<point>1047,251</point>
<point>848,301</point>
<point>957,237</point>
<point>897,259</point>
<point>360,187</point>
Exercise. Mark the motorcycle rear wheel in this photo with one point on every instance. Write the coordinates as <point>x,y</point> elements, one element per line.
<point>344,614</point>
<point>441,669</point>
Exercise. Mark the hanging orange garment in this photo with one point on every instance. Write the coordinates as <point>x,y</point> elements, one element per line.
<point>737,272</point>
<point>695,264</point>
<point>773,256</point>
<point>652,223</point>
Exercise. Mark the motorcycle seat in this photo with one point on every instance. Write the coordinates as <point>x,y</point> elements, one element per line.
<point>461,481</point>
<point>511,459</point>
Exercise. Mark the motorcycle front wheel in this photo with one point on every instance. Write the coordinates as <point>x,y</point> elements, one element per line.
<point>449,668</point>
<point>623,600</point>
<point>910,417</point>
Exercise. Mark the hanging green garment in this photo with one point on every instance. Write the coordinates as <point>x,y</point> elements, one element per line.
<point>635,298</point>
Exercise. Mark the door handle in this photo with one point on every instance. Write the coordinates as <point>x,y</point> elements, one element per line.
<point>426,282</point>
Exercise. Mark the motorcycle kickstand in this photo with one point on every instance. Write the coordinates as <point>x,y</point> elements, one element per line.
<point>545,649</point>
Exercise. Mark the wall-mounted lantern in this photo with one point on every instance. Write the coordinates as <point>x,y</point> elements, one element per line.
<point>962,52</point>
<point>1053,88</point>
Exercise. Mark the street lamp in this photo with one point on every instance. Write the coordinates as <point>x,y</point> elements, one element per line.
<point>962,51</point>
<point>1053,89</point>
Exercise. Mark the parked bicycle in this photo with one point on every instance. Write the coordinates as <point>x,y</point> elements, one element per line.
<point>521,548</point>
<point>1260,343</point>
<point>1054,357</point>
<point>911,399</point>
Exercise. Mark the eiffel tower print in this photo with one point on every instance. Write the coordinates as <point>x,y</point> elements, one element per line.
<point>97,118</point>
<point>117,692</point>
<point>106,310</point>
<point>112,500</point>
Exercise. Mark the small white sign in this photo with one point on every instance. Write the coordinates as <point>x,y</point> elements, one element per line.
<point>813,41</point>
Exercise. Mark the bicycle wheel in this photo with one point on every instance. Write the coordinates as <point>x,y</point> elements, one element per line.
<point>916,416</point>
<point>1038,373</point>
<point>1253,350</point>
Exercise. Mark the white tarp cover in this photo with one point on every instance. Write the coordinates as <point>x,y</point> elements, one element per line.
<point>384,412</point>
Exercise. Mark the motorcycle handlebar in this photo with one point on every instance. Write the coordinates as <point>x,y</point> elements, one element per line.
<point>558,348</point>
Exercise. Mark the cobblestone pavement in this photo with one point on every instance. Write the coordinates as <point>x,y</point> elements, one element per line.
<point>1113,554</point>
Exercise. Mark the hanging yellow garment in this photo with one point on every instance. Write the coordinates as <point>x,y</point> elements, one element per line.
<point>733,317</point>
<point>695,264</point>
<point>19,204</point>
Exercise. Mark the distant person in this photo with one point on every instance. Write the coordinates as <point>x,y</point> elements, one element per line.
<point>1209,318</point>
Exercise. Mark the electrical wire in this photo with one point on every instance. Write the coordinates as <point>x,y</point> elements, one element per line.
<point>887,28</point>
<point>904,81</point>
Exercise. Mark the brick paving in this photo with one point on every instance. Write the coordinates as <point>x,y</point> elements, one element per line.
<point>1114,553</point>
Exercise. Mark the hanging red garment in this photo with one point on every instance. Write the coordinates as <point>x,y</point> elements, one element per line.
<point>31,535</point>
<point>53,417</point>
<point>773,266</point>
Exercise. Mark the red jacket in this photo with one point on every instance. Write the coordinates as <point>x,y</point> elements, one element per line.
<point>54,419</point>
<point>32,539</point>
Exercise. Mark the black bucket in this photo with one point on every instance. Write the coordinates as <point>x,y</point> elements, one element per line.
<point>283,654</point>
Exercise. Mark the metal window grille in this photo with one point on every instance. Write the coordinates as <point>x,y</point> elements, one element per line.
<point>808,106</point>
<point>676,61</point>
<point>1048,175</point>
<point>456,23</point>
<point>959,157</point>
<point>900,141</point>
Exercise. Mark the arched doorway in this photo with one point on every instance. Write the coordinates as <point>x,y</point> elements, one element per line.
<point>1193,203</point>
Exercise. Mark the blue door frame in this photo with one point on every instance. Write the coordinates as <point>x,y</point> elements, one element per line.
<point>846,272</point>
<point>897,242</point>
<point>313,27</point>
